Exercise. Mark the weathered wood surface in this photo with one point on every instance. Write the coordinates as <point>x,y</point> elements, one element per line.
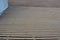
<point>38,3</point>
<point>31,21</point>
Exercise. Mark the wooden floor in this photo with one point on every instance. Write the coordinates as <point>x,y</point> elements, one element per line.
<point>36,3</point>
<point>31,21</point>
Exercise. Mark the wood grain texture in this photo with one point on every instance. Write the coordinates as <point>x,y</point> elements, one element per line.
<point>37,3</point>
<point>31,21</point>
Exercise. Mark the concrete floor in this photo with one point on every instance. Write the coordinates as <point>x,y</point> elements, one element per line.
<point>31,21</point>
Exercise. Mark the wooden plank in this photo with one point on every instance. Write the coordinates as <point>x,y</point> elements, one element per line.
<point>39,3</point>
